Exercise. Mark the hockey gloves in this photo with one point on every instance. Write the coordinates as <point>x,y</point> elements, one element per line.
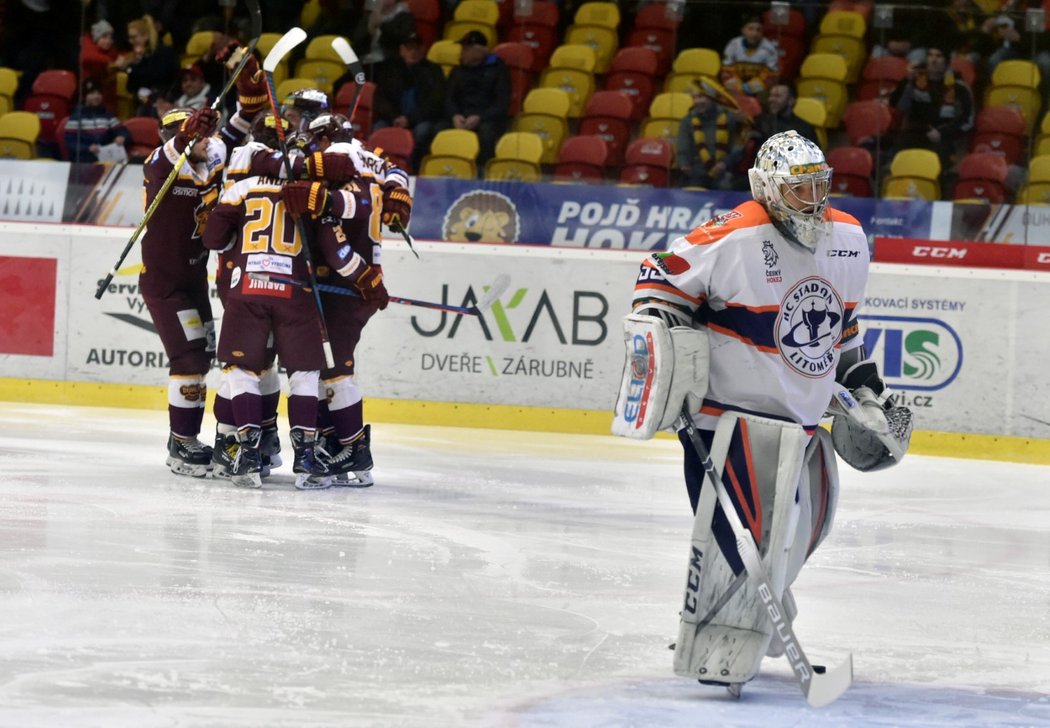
<point>397,206</point>
<point>200,124</point>
<point>251,83</point>
<point>335,168</point>
<point>369,283</point>
<point>306,198</point>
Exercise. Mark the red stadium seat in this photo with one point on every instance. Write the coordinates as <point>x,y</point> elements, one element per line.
<point>982,175</point>
<point>633,72</point>
<point>362,119</point>
<point>56,83</point>
<point>880,77</point>
<point>608,115</point>
<point>538,30</point>
<point>659,40</point>
<point>648,162</point>
<point>582,159</point>
<point>145,136</point>
<point>395,143</point>
<point>852,171</point>
<point>1000,129</point>
<point>428,19</point>
<point>518,59</point>
<point>60,139</point>
<point>866,120</point>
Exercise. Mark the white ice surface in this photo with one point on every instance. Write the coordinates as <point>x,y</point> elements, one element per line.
<point>489,578</point>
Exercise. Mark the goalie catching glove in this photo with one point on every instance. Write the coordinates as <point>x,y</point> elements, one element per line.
<point>306,198</point>
<point>397,205</point>
<point>330,167</point>
<point>869,431</point>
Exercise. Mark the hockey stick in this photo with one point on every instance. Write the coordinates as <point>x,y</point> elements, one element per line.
<point>820,689</point>
<point>256,20</point>
<point>498,287</point>
<point>351,61</point>
<point>281,48</point>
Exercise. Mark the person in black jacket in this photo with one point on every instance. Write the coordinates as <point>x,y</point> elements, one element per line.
<point>478,96</point>
<point>410,93</point>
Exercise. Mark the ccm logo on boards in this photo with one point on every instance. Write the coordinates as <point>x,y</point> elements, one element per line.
<point>930,251</point>
<point>1043,259</point>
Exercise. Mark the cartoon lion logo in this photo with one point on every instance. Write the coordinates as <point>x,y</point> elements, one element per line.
<point>482,216</point>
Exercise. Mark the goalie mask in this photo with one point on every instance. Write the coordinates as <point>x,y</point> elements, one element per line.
<point>791,179</point>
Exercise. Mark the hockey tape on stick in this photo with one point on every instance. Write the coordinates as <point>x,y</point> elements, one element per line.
<point>820,689</point>
<point>448,308</point>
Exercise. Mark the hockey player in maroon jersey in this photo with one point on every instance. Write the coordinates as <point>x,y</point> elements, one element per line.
<point>254,223</point>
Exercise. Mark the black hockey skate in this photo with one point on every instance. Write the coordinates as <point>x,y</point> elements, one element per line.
<point>247,469</point>
<point>352,464</point>
<point>270,449</point>
<point>188,456</point>
<point>224,455</point>
<point>311,471</point>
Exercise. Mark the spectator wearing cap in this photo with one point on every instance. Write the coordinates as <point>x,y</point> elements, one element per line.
<point>379,33</point>
<point>937,109</point>
<point>410,94</point>
<point>196,91</point>
<point>92,125</point>
<point>98,56</point>
<point>750,61</point>
<point>709,148</point>
<point>478,97</point>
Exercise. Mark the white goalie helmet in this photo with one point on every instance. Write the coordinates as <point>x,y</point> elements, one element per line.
<point>791,179</point>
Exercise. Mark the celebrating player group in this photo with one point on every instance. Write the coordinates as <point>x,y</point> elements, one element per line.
<point>288,198</point>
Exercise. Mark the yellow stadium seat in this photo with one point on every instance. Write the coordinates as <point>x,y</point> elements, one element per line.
<point>665,115</point>
<point>126,100</point>
<point>602,14</point>
<point>290,85</point>
<point>604,41</point>
<point>1036,193</point>
<point>914,174</point>
<point>824,65</point>
<point>851,49</point>
<point>445,53</point>
<point>816,113</point>
<point>453,153</point>
<point>518,156</point>
<point>1039,169</point>
<point>843,22</point>
<point>571,68</point>
<point>823,77</point>
<point>689,64</point>
<point>321,48</point>
<point>477,11</point>
<point>8,86</point>
<point>310,13</point>
<point>18,134</point>
<point>456,29</point>
<point>198,44</point>
<point>323,72</point>
<point>545,114</point>
<point>1016,73</point>
<point>266,43</point>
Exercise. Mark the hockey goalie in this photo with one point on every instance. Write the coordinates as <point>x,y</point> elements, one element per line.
<point>744,335</point>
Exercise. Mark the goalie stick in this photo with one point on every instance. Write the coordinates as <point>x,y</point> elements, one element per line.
<point>820,688</point>
<point>342,48</point>
<point>281,48</point>
<point>256,20</point>
<point>492,293</point>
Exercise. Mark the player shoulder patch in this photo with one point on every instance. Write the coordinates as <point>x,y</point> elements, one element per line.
<point>720,220</point>
<point>670,264</point>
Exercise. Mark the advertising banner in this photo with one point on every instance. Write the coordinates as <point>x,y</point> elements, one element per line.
<point>596,216</point>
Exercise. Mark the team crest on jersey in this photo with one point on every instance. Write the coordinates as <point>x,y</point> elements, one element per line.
<point>670,263</point>
<point>720,220</point>
<point>770,258</point>
<point>809,326</point>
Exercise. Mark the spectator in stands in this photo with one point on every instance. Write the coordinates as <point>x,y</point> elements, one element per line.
<point>899,44</point>
<point>91,126</point>
<point>98,56</point>
<point>478,97</point>
<point>196,92</point>
<point>779,115</point>
<point>410,93</point>
<point>151,64</point>
<point>709,147</point>
<point>379,33</point>
<point>751,62</point>
<point>1006,40</point>
<point>937,108</point>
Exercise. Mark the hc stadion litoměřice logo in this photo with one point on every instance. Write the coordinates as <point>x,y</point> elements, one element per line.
<point>920,354</point>
<point>809,326</point>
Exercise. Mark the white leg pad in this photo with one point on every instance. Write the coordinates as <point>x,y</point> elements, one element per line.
<point>724,632</point>
<point>818,496</point>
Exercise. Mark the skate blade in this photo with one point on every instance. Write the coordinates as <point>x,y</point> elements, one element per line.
<point>363,479</point>
<point>250,480</point>
<point>180,468</point>
<point>305,481</point>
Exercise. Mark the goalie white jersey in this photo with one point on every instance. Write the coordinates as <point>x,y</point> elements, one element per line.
<point>778,315</point>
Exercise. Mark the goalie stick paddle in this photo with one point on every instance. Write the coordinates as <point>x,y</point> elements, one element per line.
<point>256,20</point>
<point>819,688</point>
<point>281,48</point>
<point>493,292</point>
<point>346,54</point>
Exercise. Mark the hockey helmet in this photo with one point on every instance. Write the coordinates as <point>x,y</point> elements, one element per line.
<point>172,121</point>
<point>264,130</point>
<point>334,126</point>
<point>303,105</point>
<point>791,179</point>
<point>302,141</point>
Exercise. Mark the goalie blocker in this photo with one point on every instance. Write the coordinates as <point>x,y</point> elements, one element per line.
<point>663,366</point>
